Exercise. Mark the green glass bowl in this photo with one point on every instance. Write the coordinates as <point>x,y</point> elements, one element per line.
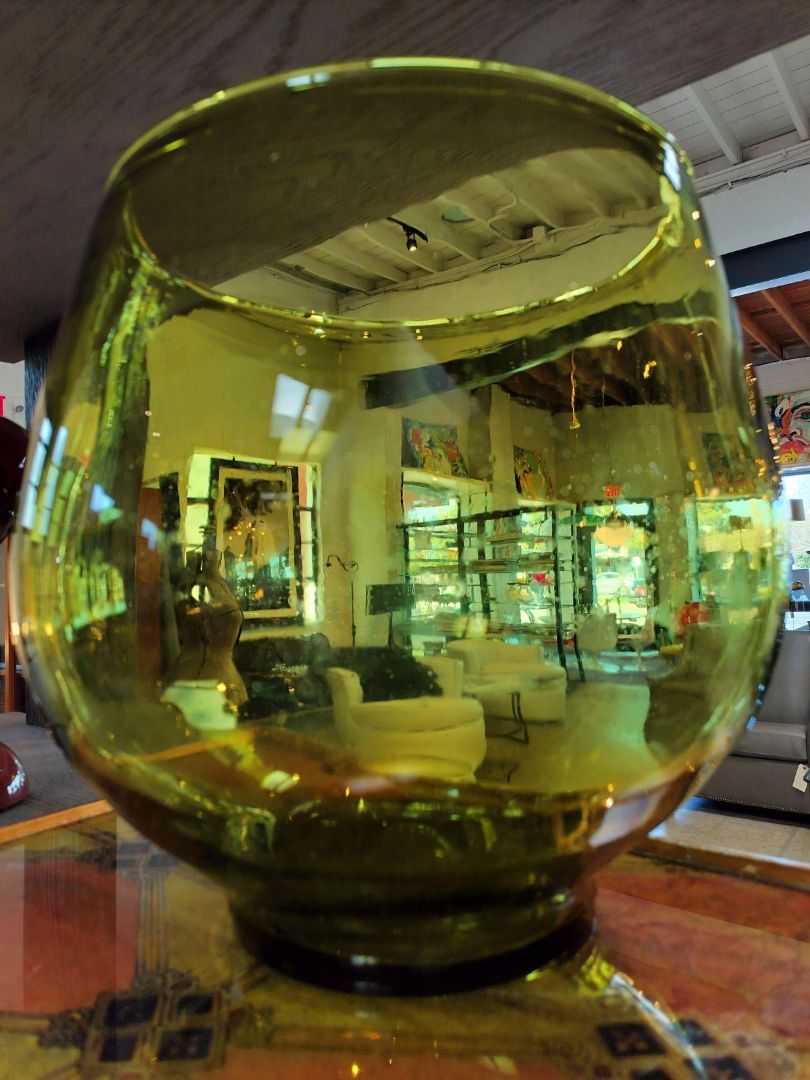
<point>397,542</point>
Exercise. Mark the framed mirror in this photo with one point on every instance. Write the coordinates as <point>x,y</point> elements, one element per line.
<point>254,510</point>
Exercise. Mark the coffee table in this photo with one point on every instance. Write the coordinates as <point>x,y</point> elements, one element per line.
<point>523,701</point>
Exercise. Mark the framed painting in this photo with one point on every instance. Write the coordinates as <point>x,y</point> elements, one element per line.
<point>726,471</point>
<point>789,426</point>
<point>254,513</point>
<point>432,447</point>
<point>530,476</point>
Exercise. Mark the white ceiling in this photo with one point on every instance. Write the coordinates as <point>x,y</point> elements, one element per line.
<point>743,122</point>
<point>492,217</point>
<point>726,118</point>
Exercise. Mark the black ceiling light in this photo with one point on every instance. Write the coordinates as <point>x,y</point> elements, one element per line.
<point>411,233</point>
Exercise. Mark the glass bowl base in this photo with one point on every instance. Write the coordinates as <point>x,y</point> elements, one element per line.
<point>364,974</point>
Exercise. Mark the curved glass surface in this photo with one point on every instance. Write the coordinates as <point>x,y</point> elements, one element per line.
<point>397,541</point>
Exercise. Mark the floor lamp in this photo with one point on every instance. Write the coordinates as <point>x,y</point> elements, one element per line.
<point>385,600</point>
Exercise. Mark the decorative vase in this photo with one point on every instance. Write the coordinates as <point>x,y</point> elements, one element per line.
<point>444,318</point>
<point>13,781</point>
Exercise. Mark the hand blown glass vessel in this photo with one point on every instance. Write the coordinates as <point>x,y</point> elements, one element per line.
<point>397,541</point>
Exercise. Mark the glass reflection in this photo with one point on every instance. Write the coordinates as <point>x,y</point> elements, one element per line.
<point>494,373</point>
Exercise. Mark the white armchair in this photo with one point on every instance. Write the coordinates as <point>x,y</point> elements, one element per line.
<point>449,674</point>
<point>440,737</point>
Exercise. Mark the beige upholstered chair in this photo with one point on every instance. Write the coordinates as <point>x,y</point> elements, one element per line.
<point>441,737</point>
<point>449,674</point>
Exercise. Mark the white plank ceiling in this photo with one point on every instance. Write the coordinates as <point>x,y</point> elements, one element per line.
<point>726,118</point>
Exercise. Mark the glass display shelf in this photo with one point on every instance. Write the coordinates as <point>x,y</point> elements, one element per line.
<point>494,554</point>
<point>502,566</point>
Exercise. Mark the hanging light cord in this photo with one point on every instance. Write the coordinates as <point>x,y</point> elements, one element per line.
<point>607,440</point>
<point>574,419</point>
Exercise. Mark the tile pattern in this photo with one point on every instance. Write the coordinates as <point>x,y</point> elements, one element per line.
<point>192,1000</point>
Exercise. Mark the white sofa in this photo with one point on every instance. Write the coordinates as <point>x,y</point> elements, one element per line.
<point>491,661</point>
<point>441,737</point>
<point>512,680</point>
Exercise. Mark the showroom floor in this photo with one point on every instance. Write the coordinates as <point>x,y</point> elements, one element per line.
<point>716,826</point>
<point>698,823</point>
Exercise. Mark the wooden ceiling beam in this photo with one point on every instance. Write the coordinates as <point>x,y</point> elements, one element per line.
<point>707,109</point>
<point>758,333</point>
<point>329,273</point>
<point>434,228</point>
<point>618,390</point>
<point>551,384</point>
<point>780,304</point>
<point>549,375</point>
<point>780,73</point>
<point>384,236</point>
<point>547,211</point>
<point>593,385</point>
<point>502,230</point>
<point>567,173</point>
<point>523,384</point>
<point>362,263</point>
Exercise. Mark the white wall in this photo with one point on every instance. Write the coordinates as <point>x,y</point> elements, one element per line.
<point>785,376</point>
<point>758,211</point>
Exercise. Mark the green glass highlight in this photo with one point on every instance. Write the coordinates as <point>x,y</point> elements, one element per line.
<point>297,469</point>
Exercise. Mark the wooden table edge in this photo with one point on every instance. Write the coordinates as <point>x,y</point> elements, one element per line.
<point>770,870</point>
<point>22,829</point>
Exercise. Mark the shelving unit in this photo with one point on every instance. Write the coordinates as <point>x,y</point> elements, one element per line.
<point>514,569</point>
<point>522,578</point>
<point>435,508</point>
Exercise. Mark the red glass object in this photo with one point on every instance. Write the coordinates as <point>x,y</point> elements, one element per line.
<point>691,614</point>
<point>13,442</point>
<point>13,781</point>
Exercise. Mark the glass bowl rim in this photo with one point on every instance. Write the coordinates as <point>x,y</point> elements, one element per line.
<point>318,76</point>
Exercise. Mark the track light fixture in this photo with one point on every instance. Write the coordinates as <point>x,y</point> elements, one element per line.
<point>411,233</point>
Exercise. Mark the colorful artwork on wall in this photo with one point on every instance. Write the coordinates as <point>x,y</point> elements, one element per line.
<point>432,447</point>
<point>725,467</point>
<point>789,426</point>
<point>530,474</point>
